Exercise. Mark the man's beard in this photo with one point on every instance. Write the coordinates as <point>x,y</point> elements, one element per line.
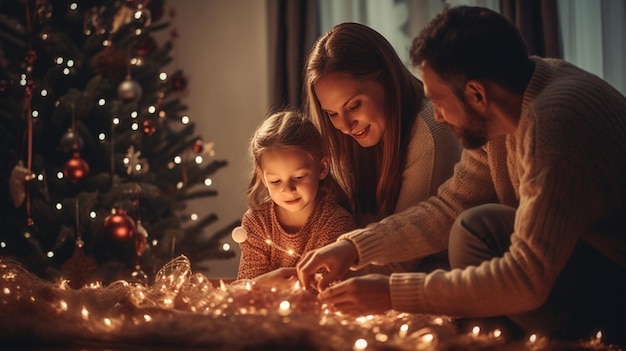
<point>475,136</point>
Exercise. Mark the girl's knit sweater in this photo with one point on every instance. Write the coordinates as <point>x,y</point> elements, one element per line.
<point>327,221</point>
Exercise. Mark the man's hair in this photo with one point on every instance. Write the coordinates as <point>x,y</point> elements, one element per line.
<point>474,43</point>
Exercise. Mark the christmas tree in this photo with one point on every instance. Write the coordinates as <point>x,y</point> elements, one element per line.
<point>98,158</point>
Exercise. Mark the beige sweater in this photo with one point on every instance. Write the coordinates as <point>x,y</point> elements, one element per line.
<point>564,170</point>
<point>432,153</point>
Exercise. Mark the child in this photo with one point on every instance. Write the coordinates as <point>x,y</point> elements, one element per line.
<point>295,205</point>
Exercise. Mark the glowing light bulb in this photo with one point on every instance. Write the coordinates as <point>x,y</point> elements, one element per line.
<point>404,328</point>
<point>497,333</point>
<point>284,308</point>
<point>360,344</point>
<point>239,235</point>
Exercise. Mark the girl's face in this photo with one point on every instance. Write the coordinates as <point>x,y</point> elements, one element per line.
<point>354,107</point>
<point>292,177</point>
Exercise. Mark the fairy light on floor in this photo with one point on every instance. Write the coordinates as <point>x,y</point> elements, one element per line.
<point>180,307</point>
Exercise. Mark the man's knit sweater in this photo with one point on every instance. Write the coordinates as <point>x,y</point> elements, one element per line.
<point>327,221</point>
<point>564,170</point>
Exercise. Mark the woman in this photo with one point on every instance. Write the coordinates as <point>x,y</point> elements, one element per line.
<point>387,151</point>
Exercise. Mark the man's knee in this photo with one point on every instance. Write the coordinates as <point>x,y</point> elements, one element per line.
<point>480,233</point>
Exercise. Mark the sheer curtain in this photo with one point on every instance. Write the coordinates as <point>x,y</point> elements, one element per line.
<point>397,20</point>
<point>593,35</point>
<point>589,33</point>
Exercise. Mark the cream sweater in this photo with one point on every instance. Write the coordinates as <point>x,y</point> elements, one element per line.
<point>564,170</point>
<point>432,153</point>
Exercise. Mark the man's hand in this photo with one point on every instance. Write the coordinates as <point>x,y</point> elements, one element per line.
<point>358,296</point>
<point>335,258</point>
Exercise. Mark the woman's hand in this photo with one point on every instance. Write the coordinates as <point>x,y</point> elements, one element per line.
<point>358,296</point>
<point>335,258</point>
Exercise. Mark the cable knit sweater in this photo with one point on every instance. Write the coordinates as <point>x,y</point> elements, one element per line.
<point>564,170</point>
<point>327,221</point>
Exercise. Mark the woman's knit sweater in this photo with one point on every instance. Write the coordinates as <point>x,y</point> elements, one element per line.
<point>564,170</point>
<point>431,155</point>
<point>432,152</point>
<point>327,221</point>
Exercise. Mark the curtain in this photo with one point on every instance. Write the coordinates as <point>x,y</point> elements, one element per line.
<point>293,28</point>
<point>594,37</point>
<point>537,20</point>
<point>589,33</point>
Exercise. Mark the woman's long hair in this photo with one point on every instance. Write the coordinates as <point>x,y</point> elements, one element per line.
<point>370,176</point>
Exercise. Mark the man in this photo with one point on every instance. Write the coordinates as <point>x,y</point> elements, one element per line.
<point>534,217</point>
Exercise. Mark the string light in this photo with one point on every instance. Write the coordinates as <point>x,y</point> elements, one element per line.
<point>239,235</point>
<point>241,315</point>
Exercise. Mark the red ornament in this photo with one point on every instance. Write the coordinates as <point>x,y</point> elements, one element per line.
<point>178,82</point>
<point>197,147</point>
<point>148,127</point>
<point>119,225</point>
<point>75,169</point>
<point>145,45</point>
<point>111,63</point>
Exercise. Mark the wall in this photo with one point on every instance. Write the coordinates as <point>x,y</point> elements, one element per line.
<point>222,48</point>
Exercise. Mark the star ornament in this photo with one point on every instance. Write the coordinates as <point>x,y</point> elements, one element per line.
<point>134,164</point>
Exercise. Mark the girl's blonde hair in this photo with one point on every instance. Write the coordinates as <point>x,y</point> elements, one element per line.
<point>370,176</point>
<point>290,129</point>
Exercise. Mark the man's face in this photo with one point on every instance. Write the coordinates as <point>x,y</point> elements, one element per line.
<point>468,124</point>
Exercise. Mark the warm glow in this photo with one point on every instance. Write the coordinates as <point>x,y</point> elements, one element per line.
<point>360,344</point>
<point>497,333</point>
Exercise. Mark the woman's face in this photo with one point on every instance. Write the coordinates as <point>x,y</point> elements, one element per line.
<point>354,107</point>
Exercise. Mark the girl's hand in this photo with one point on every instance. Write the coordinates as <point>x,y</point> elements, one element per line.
<point>335,259</point>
